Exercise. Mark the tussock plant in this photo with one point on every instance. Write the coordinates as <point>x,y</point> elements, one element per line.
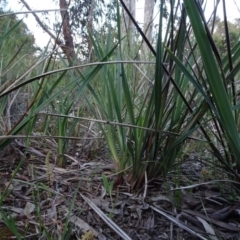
<point>193,89</point>
<point>214,78</point>
<point>151,126</point>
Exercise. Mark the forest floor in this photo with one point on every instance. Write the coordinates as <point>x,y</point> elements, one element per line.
<point>41,198</point>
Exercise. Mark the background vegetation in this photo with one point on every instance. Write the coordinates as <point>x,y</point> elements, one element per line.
<point>149,103</point>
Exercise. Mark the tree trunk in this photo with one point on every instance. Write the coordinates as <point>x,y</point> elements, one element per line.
<point>148,18</point>
<point>148,23</point>
<point>67,32</point>
<point>90,29</point>
<point>125,19</point>
<point>131,25</point>
<point>127,25</point>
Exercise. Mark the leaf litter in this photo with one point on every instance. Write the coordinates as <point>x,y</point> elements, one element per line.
<point>44,196</point>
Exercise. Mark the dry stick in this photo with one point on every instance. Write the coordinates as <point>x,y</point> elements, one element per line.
<point>59,42</point>
<point>67,49</point>
<point>46,136</point>
<point>118,124</point>
<point>32,11</point>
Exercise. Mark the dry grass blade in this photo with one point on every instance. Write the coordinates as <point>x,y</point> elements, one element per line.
<point>82,224</point>
<point>213,221</point>
<point>106,219</point>
<point>8,90</point>
<point>208,228</point>
<point>119,124</point>
<point>177,222</point>
<point>204,183</point>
